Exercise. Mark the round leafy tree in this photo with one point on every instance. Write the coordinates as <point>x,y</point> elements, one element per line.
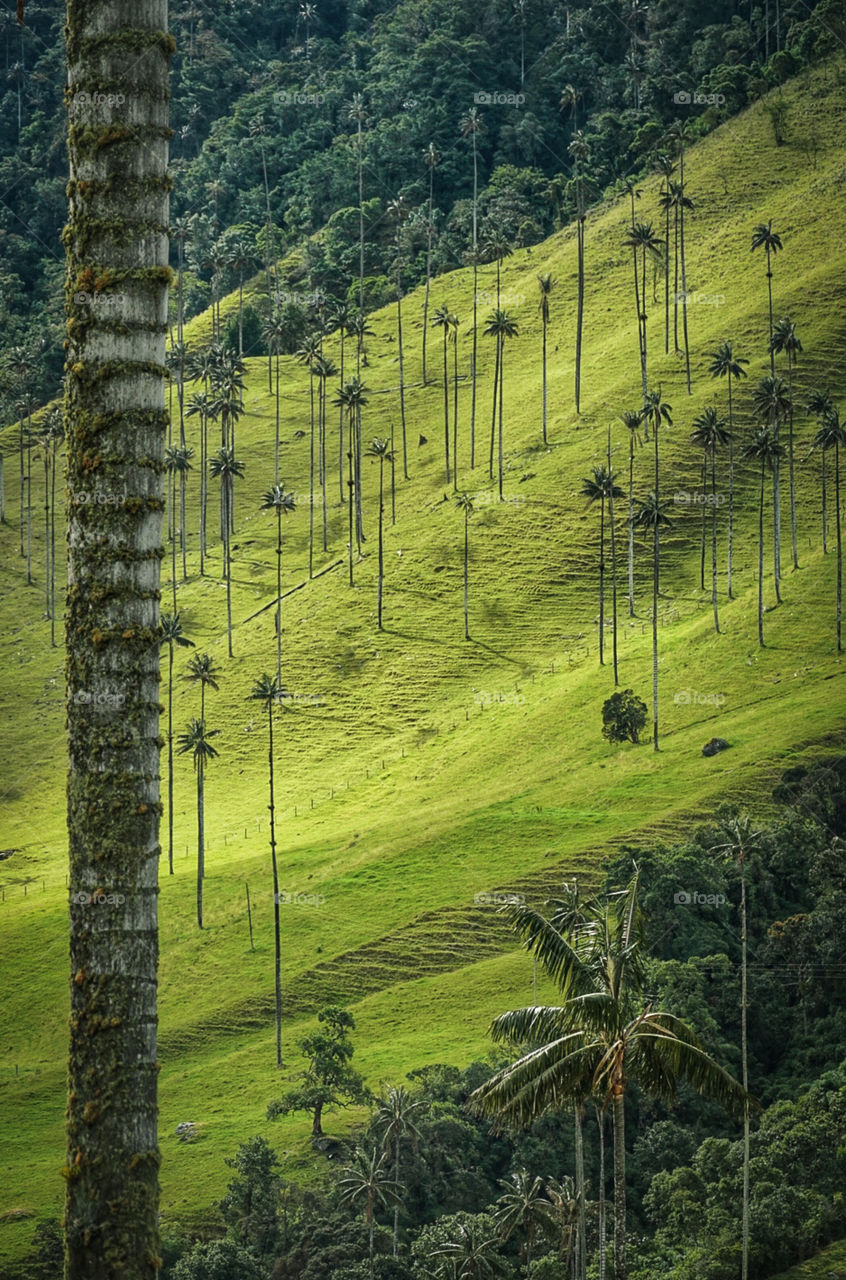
<point>623,717</point>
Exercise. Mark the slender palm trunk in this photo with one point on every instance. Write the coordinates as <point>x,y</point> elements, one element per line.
<point>620,1266</point>
<point>761,562</point>
<point>201,847</point>
<point>53,549</point>
<point>580,301</point>
<point>702,522</point>
<point>613,574</point>
<point>731,490</point>
<point>676,346</point>
<point>22,508</point>
<point>170,758</point>
<point>466,573</point>
<point>351,500</point>
<point>501,390</point>
<point>29,504</point>
<point>790,462</point>
<point>714,539</point>
<point>667,270</point>
<point>401,367</point>
<point>839,545</point>
<point>683,271</point>
<point>228,569</point>
<point>776,518</point>
<point>493,412</point>
<point>322,463</point>
<point>277,958</point>
<point>824,509</point>
<point>279,596</point>
<point>276,436</point>
<point>47,528</point>
<point>655,563</point>
<point>2,490</point>
<point>770,299</point>
<point>173,539</point>
<point>602,582</point>
<point>428,268</point>
<point>600,1121</point>
<point>475,303</point>
<point>446,405</point>
<point>360,235</point>
<point>581,1260</point>
<point>631,527</point>
<point>311,480</point>
<point>359,512</point>
<point>543,358</point>
<point>455,411</point>
<point>745,1068</point>
<point>381,555</point>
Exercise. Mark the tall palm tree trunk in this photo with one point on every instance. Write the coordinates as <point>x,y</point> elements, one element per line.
<point>631,527</point>
<point>446,405</point>
<point>770,300</point>
<point>381,552</point>
<point>341,427</point>
<point>602,582</point>
<point>455,411</point>
<point>359,511</point>
<point>600,1121</point>
<point>115,375</point>
<point>401,370</point>
<point>228,571</point>
<point>276,435</point>
<point>655,563</point>
<point>170,758</point>
<point>47,527</point>
<point>493,414</point>
<point>745,1068</point>
<point>620,1265</point>
<point>543,363</point>
<point>824,508</point>
<point>790,462</point>
<point>839,545</point>
<point>428,267</point>
<point>714,539</point>
<point>702,522</point>
<point>473,372</point>
<point>579,1155</point>
<point>466,573</point>
<point>580,300</point>
<point>731,492</point>
<point>53,550</point>
<point>311,481</point>
<point>279,595</point>
<point>613,573</point>
<point>277,955</point>
<point>322,463</point>
<point>683,271</point>
<point>201,842</point>
<point>501,389</point>
<point>761,562</point>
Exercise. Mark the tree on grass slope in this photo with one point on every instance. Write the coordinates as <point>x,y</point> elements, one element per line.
<point>328,1081</point>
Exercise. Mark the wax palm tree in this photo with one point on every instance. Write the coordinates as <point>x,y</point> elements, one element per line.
<point>831,435</point>
<point>226,468</point>
<point>600,487</point>
<point>202,671</point>
<point>786,340</point>
<point>432,159</point>
<point>441,320</point>
<point>366,1182</point>
<point>396,1116</point>
<point>680,134</point>
<point>398,211</point>
<point>496,248</point>
<point>177,463</point>
<point>763,449</point>
<point>763,237</point>
<point>579,153</point>
<point>201,404</point>
<point>275,332</point>
<point>655,411</point>
<point>740,841</point>
<point>652,514</point>
<point>171,635</point>
<point>196,740</point>
<point>771,408</point>
<point>631,420</point>
<point>605,1032</point>
<point>666,167</point>
<point>465,503</point>
<point>710,434</point>
<point>471,126</point>
<point>359,328</point>
<point>820,404</point>
<point>473,1255</point>
<point>724,364</point>
<point>279,500</point>
<point>546,283</point>
<point>309,354</point>
<point>381,449</point>
<point>351,398</point>
<point>454,325</point>
<point>325,370</point>
<point>356,112</point>
<point>500,326</point>
<point>524,1207</point>
<point>641,239</point>
<point>268,691</point>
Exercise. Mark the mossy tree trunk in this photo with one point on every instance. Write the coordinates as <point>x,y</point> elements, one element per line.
<point>117,247</point>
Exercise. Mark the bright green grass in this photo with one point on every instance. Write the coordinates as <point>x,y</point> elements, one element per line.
<point>402,795</point>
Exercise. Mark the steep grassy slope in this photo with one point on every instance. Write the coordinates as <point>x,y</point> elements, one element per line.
<point>418,770</point>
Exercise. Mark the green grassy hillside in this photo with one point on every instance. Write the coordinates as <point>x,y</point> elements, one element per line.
<point>419,770</point>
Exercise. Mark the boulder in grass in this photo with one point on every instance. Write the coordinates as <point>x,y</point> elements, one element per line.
<point>714,746</point>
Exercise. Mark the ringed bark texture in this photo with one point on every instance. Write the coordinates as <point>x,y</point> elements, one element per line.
<point>116,293</point>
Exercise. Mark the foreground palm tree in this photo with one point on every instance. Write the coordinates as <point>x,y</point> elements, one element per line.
<point>546,284</point>
<point>605,1034</point>
<point>114,408</point>
<point>709,434</point>
<point>465,503</point>
<point>763,237</point>
<point>832,435</point>
<point>381,449</point>
<point>396,1120</point>
<point>652,514</point>
<point>724,364</point>
<point>765,450</point>
<point>226,468</point>
<point>278,499</point>
<point>171,628</point>
<point>196,740</point>
<point>785,339</point>
<point>268,691</point>
<point>366,1182</point>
